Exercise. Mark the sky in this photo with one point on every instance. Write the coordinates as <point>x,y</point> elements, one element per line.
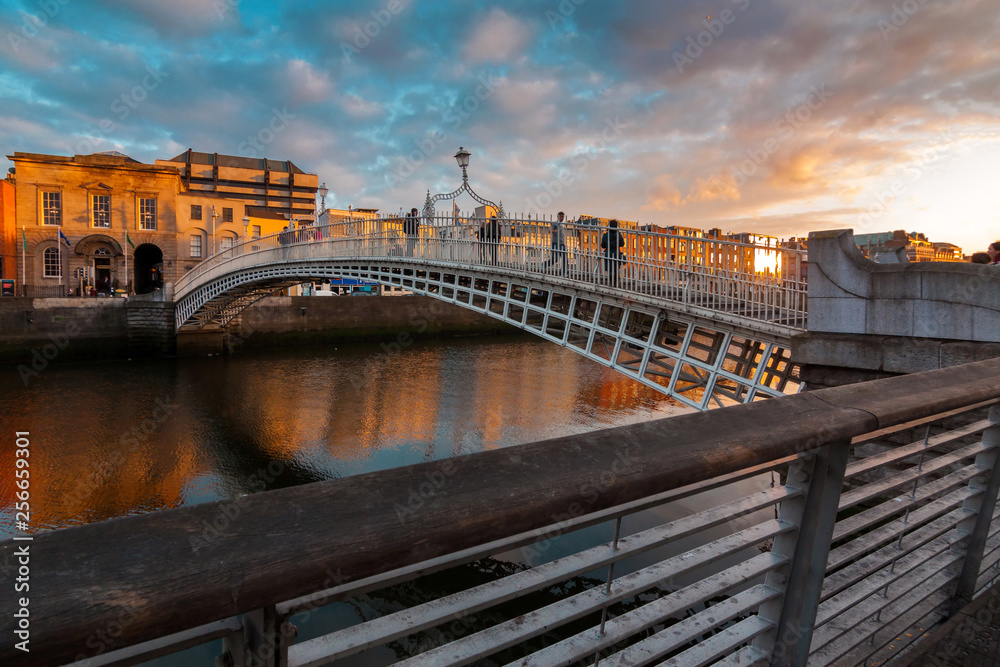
<point>770,116</point>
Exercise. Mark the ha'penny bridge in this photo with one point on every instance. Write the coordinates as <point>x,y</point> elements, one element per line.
<point>845,525</point>
<point>706,321</point>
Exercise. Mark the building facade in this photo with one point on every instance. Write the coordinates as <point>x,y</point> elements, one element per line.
<point>106,221</point>
<point>9,247</point>
<point>274,186</point>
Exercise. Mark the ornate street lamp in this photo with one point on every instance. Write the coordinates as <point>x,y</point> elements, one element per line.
<point>323,190</point>
<point>246,224</point>
<point>462,157</point>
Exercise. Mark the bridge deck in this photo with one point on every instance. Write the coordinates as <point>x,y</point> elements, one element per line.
<point>971,638</point>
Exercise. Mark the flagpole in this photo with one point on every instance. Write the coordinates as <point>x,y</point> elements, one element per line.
<point>126,262</point>
<point>59,258</point>
<point>24,258</point>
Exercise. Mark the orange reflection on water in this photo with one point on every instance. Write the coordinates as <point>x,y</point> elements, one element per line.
<point>154,435</point>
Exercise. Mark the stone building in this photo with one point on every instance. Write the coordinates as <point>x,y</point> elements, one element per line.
<point>174,214</point>
<point>9,247</point>
<point>94,201</point>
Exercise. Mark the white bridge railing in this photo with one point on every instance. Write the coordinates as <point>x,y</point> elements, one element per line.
<point>753,282</point>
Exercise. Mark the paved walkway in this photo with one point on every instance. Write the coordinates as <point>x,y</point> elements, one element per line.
<point>969,639</point>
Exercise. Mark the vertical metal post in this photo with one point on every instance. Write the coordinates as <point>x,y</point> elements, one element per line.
<point>822,478</point>
<point>267,638</point>
<point>983,504</point>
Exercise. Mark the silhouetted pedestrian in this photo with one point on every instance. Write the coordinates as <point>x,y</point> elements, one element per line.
<point>493,237</point>
<point>612,243</point>
<point>411,227</point>
<point>558,238</point>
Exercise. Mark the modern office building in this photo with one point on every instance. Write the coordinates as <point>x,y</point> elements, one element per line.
<point>274,186</point>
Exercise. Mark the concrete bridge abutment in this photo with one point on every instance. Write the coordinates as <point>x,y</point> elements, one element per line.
<point>869,321</point>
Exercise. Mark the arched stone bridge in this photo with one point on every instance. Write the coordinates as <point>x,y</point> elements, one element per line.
<point>707,322</point>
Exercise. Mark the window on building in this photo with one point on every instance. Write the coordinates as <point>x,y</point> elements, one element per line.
<point>101,210</point>
<point>227,214</point>
<point>226,242</point>
<point>196,245</point>
<point>51,208</point>
<point>53,269</point>
<point>196,211</point>
<point>256,231</point>
<point>147,213</point>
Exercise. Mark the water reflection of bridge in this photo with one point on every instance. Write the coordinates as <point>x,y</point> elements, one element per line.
<point>707,321</point>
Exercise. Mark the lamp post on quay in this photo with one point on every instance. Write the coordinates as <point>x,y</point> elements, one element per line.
<point>215,216</point>
<point>246,224</point>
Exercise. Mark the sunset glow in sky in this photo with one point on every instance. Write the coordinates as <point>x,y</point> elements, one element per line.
<point>770,116</point>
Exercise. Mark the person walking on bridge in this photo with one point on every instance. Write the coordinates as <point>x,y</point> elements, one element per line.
<point>411,227</point>
<point>558,234</point>
<point>493,237</point>
<point>612,243</point>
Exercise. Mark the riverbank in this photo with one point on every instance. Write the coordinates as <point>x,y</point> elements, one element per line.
<point>43,331</point>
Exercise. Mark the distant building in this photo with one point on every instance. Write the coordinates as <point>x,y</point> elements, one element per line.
<point>277,186</point>
<point>918,247</point>
<point>165,217</point>
<point>9,247</point>
<point>947,252</point>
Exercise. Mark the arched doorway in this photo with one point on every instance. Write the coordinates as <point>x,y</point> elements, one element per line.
<point>148,265</point>
<point>102,270</point>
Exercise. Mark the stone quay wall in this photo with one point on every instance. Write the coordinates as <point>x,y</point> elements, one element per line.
<point>55,330</point>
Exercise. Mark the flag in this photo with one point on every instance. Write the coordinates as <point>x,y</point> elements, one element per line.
<point>63,238</point>
<point>24,238</point>
<point>129,241</point>
<point>118,245</point>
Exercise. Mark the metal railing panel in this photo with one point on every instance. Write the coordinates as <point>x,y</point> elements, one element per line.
<point>704,653</point>
<point>897,617</point>
<point>327,596</point>
<point>926,577</point>
<point>168,645</point>
<point>877,515</point>
<point>620,628</point>
<point>894,568</point>
<point>941,513</point>
<point>903,452</point>
<point>486,642</point>
<point>851,580</point>
<point>901,479</point>
<point>748,656</point>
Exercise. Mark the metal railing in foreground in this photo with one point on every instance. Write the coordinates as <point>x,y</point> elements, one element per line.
<point>828,527</point>
<point>755,282</point>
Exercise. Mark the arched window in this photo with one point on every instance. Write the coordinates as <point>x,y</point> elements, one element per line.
<point>102,251</point>
<point>53,269</point>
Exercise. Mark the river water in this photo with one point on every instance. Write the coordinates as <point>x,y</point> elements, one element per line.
<point>110,439</point>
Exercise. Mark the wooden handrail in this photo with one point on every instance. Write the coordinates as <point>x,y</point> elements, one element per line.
<point>142,576</point>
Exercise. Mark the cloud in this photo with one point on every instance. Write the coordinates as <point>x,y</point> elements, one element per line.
<point>499,37</point>
<point>306,84</point>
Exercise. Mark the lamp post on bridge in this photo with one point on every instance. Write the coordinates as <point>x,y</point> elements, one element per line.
<point>462,157</point>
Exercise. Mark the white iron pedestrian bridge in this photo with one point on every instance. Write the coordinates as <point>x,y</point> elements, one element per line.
<point>706,321</point>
